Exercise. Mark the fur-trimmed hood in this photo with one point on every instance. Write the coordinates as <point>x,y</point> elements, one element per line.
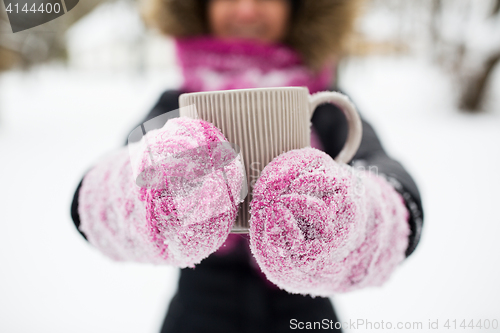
<point>318,30</point>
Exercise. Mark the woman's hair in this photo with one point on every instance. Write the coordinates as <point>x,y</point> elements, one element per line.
<point>318,28</point>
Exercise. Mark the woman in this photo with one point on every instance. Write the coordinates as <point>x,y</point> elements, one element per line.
<point>231,44</point>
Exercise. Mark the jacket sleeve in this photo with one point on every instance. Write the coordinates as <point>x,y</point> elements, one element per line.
<point>331,127</point>
<point>168,101</point>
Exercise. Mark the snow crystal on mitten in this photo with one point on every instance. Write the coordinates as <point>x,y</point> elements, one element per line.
<point>181,208</point>
<point>318,227</point>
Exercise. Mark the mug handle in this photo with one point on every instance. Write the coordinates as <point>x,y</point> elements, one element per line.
<point>355,128</point>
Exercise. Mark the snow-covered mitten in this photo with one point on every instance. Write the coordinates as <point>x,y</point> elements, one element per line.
<point>178,211</point>
<point>319,227</point>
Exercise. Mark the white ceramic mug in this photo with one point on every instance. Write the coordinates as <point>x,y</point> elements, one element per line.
<point>265,122</point>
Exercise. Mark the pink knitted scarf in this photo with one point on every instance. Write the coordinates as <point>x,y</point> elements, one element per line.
<point>210,63</point>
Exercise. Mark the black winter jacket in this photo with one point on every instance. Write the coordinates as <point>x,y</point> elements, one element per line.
<point>224,294</point>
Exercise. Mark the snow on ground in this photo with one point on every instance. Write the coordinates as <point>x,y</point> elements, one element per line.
<point>54,123</point>
<point>53,126</point>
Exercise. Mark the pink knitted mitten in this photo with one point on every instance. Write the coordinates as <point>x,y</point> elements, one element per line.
<point>319,227</point>
<point>184,206</point>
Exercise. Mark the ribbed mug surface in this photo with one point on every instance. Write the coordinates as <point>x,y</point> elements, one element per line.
<point>263,122</point>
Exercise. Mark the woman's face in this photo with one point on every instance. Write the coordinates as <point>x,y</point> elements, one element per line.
<point>263,20</point>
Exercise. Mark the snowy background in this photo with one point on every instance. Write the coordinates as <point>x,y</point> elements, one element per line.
<point>56,120</point>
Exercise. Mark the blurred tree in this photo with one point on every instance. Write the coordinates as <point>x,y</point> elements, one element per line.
<point>466,41</point>
<point>461,36</point>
